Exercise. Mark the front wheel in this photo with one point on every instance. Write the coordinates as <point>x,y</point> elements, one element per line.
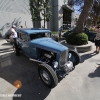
<point>48,75</point>
<point>75,58</point>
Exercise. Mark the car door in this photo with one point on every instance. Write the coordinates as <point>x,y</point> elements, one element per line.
<point>24,43</point>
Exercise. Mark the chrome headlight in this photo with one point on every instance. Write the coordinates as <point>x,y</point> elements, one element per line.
<point>55,64</point>
<point>69,55</point>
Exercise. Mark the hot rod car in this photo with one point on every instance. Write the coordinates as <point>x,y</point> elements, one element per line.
<point>54,59</point>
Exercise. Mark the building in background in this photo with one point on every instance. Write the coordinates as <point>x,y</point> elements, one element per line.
<point>14,12</point>
<point>18,12</point>
<point>62,14</point>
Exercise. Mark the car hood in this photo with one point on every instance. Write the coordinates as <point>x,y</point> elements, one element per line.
<point>48,44</point>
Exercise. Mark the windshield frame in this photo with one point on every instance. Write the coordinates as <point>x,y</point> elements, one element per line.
<point>39,35</point>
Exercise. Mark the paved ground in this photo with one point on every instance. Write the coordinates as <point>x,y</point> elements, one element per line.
<point>81,84</point>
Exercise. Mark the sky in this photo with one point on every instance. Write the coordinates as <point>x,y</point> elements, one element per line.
<point>76,9</point>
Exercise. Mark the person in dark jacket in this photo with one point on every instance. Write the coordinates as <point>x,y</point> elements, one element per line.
<point>97,40</point>
<point>60,31</point>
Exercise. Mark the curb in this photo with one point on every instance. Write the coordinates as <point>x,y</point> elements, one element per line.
<point>80,49</point>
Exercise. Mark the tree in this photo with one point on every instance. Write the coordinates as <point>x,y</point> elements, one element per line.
<point>46,11</point>
<point>35,8</point>
<point>38,8</point>
<point>86,6</point>
<point>92,10</point>
<point>78,34</point>
<point>83,16</point>
<point>95,12</point>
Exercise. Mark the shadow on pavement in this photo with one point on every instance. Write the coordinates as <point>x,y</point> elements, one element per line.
<point>96,73</point>
<point>14,68</point>
<point>6,50</point>
<point>8,43</point>
<point>87,56</point>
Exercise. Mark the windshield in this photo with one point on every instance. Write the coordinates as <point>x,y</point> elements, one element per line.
<point>39,35</point>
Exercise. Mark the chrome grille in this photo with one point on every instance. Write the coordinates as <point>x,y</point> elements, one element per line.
<point>63,57</point>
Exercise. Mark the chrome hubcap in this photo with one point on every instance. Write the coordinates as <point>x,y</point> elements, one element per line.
<point>45,76</point>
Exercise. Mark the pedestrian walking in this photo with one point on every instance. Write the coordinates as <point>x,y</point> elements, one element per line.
<point>60,31</point>
<point>97,40</point>
<point>13,33</point>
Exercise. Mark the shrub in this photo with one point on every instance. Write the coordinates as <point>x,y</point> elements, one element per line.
<point>77,39</point>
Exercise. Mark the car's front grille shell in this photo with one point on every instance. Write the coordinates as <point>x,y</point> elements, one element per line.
<point>63,57</point>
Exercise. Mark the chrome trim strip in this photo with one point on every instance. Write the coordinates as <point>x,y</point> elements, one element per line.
<point>36,60</point>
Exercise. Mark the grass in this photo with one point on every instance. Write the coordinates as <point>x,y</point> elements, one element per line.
<point>54,32</point>
<point>64,31</point>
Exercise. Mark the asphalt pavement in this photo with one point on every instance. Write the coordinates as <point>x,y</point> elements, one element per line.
<point>81,84</point>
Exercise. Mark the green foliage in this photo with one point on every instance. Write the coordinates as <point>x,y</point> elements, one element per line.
<point>77,39</point>
<point>64,30</point>
<point>35,7</point>
<point>40,7</point>
<point>46,11</point>
<point>54,32</point>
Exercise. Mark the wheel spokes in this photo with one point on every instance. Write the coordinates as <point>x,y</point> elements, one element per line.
<point>45,76</point>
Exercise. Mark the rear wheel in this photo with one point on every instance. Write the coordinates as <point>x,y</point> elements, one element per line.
<point>48,75</point>
<point>16,49</point>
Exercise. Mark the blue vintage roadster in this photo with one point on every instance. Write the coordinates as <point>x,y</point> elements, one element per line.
<point>54,59</point>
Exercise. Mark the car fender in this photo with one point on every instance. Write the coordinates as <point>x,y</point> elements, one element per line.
<point>76,56</point>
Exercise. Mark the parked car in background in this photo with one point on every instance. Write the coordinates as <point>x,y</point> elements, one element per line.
<point>54,59</point>
<point>91,34</point>
<point>66,26</point>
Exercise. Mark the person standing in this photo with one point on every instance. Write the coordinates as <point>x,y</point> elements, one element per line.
<point>60,31</point>
<point>14,33</point>
<point>97,40</point>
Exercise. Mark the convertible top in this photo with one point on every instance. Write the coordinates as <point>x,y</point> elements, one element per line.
<point>33,30</point>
